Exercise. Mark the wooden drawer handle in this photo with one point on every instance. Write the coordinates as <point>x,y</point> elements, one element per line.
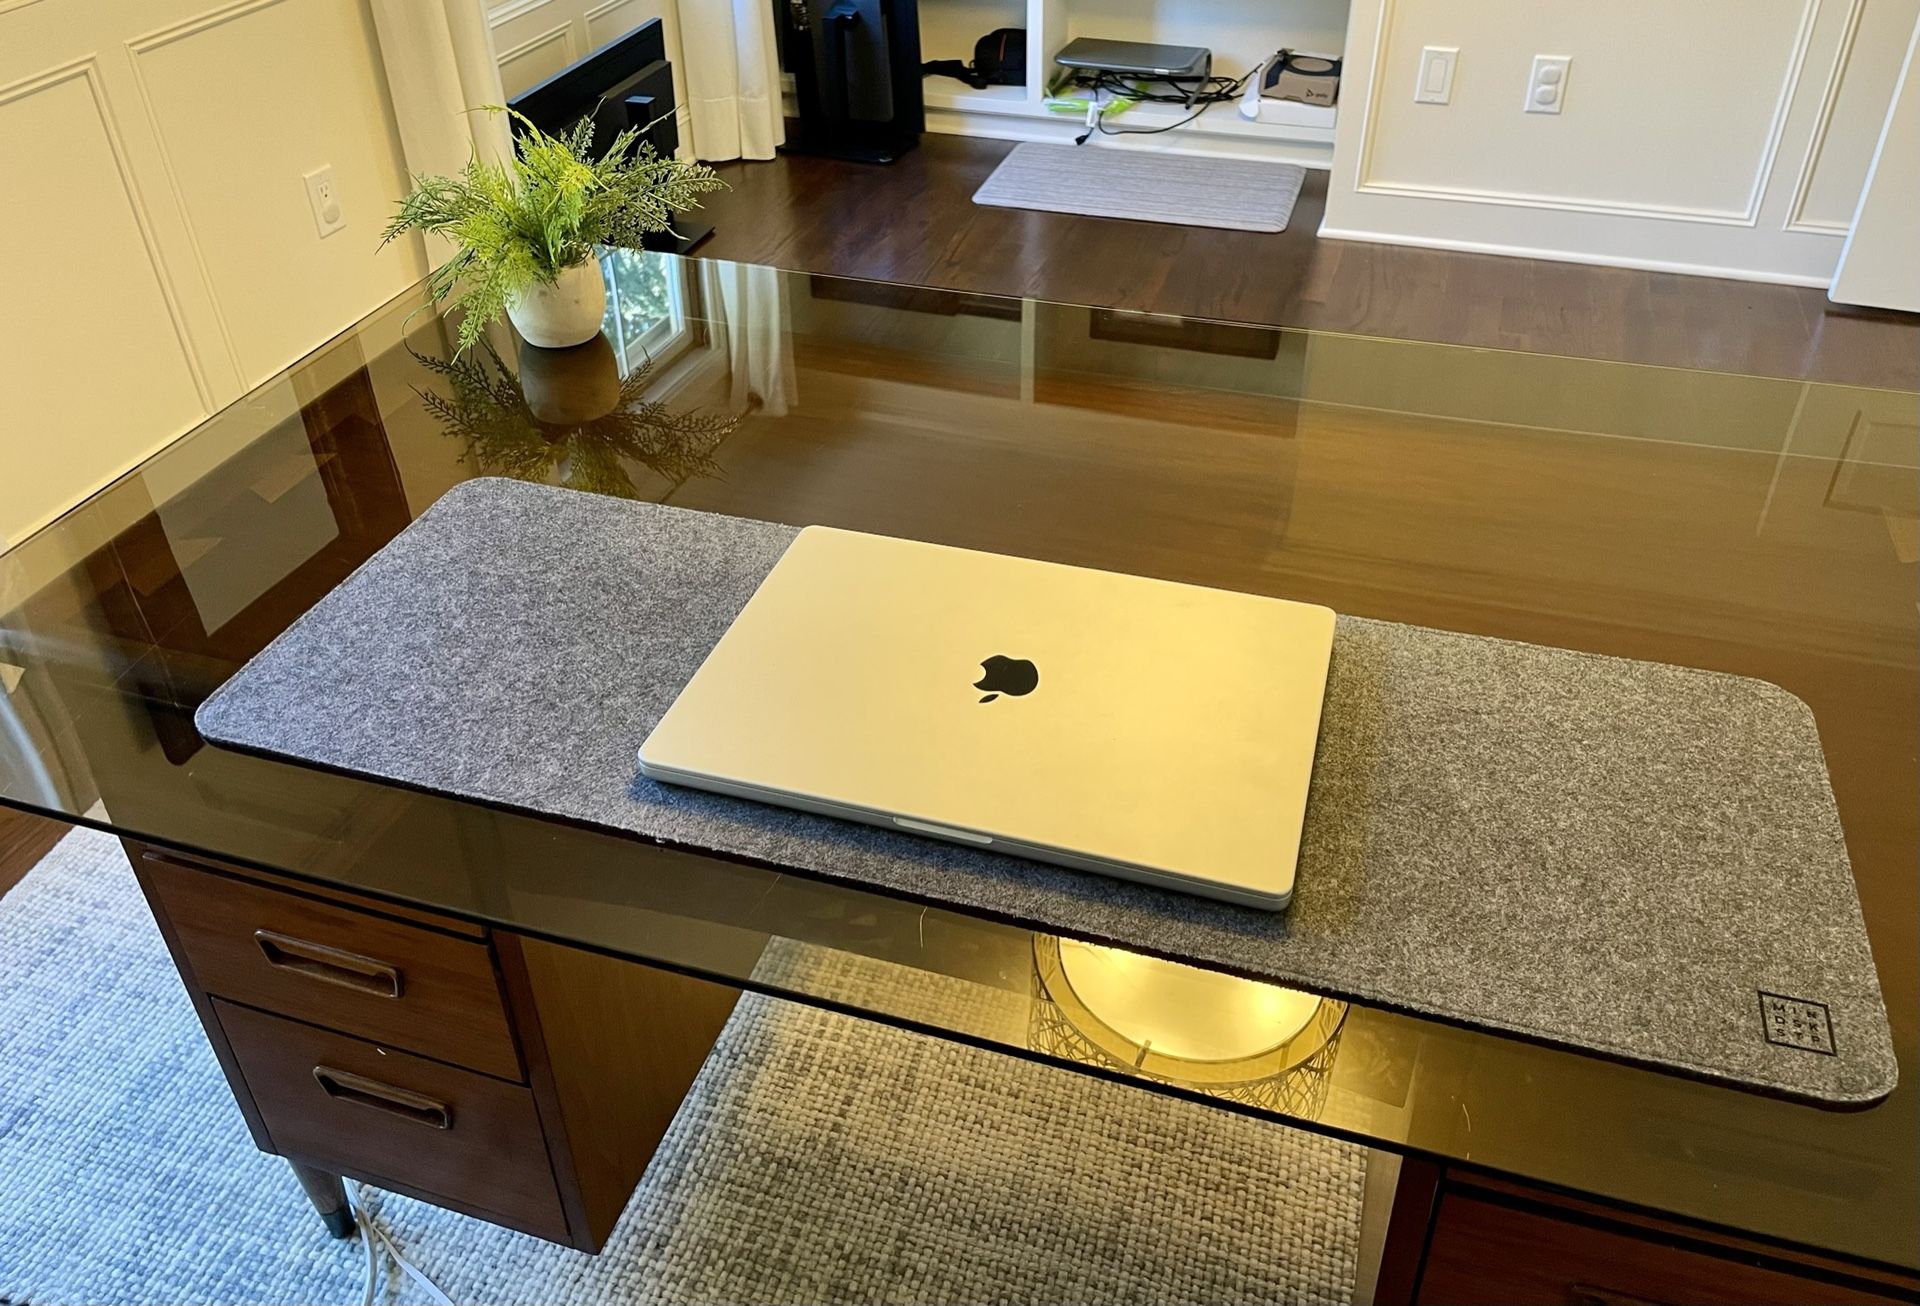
<point>329,965</point>
<point>1581,1294</point>
<point>185,863</point>
<point>345,1086</point>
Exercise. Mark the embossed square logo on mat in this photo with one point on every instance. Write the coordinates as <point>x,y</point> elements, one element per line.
<point>1797,1023</point>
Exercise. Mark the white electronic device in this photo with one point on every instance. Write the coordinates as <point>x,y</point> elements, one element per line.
<point>1296,75</point>
<point>1250,97</point>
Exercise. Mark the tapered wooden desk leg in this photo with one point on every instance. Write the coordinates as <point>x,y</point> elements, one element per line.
<point>329,1197</point>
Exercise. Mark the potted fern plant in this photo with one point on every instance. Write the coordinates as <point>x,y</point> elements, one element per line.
<point>525,230</point>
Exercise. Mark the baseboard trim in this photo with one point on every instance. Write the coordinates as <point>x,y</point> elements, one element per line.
<point>1573,256</point>
<point>1014,126</point>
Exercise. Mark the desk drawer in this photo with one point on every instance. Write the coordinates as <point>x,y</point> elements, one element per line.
<point>1487,1252</point>
<point>398,984</point>
<point>351,1107</point>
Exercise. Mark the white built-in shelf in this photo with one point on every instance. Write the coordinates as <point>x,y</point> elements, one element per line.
<point>1241,33</point>
<point>1278,118</point>
<point>949,93</point>
<point>1291,113</point>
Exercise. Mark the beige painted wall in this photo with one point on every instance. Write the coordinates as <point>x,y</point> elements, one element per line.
<point>155,238</point>
<point>156,243</point>
<point>1721,136</point>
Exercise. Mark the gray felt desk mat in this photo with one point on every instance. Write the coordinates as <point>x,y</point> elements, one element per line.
<point>1615,856</point>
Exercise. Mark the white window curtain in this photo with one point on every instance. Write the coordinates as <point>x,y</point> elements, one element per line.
<point>748,321</point>
<point>732,78</point>
<point>441,70</point>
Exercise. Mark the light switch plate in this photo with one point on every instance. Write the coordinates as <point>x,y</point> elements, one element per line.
<point>1547,88</point>
<point>1435,83</point>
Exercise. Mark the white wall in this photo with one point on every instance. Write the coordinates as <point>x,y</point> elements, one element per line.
<point>1880,265</point>
<point>1729,137</point>
<point>156,247</point>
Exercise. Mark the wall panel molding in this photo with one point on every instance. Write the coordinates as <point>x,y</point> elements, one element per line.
<point>601,10</point>
<point>562,33</point>
<point>1783,107</point>
<point>527,35</point>
<point>146,44</point>
<point>506,13</point>
<point>1829,101</point>
<point>609,21</point>
<point>1746,216</point>
<point>87,70</point>
<point>196,24</point>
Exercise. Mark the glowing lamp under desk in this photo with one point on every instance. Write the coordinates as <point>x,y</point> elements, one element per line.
<point>1231,1037</point>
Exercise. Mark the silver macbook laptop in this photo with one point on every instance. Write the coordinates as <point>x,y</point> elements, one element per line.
<point>1119,725</point>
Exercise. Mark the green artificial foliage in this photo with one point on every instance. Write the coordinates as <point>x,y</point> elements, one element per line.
<point>522,224</point>
<point>488,410</point>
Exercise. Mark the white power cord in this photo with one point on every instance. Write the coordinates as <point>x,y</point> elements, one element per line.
<point>377,1241</point>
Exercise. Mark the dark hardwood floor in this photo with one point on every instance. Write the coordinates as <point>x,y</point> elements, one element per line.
<point>24,840</point>
<point>914,222</point>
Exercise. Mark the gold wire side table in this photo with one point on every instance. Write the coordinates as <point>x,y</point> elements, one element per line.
<point>1262,1044</point>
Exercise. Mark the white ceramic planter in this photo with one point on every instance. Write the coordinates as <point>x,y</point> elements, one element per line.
<point>566,313</point>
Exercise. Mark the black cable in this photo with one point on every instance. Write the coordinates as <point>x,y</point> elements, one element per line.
<point>1211,89</point>
<point>1219,90</point>
<point>1100,124</point>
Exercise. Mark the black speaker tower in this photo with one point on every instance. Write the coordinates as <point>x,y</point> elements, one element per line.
<point>856,74</point>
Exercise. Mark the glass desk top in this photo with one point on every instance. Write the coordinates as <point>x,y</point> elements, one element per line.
<point>1753,525</point>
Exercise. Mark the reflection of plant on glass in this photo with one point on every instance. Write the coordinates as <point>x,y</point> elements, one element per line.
<point>489,408</point>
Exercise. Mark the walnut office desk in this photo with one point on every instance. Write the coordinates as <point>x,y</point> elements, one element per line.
<point>500,1014</point>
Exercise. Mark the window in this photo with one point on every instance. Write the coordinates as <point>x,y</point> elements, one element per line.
<point>646,306</point>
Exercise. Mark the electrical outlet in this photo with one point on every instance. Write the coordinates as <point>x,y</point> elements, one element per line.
<point>1435,85</point>
<point>1547,88</point>
<point>323,195</point>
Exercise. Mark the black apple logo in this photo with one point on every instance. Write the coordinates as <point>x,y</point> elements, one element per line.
<point>1005,675</point>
